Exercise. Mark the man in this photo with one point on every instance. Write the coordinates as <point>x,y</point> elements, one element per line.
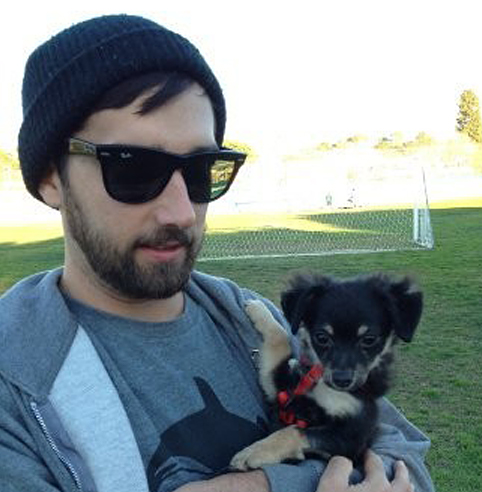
<point>126,370</point>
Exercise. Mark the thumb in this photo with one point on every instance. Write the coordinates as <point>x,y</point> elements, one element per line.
<point>336,475</point>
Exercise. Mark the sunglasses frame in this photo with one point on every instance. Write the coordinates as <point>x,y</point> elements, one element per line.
<point>78,146</point>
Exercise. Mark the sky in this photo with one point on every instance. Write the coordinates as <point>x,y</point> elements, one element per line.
<point>292,72</point>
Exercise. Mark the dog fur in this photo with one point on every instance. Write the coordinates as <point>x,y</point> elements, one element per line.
<point>349,327</point>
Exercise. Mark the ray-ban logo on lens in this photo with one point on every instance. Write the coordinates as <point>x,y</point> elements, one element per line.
<point>125,155</point>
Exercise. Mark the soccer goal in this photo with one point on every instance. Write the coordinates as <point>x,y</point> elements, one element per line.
<point>342,203</point>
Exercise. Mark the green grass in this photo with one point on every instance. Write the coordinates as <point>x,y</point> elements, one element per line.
<point>439,383</point>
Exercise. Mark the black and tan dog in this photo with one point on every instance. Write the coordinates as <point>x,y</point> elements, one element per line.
<point>327,396</point>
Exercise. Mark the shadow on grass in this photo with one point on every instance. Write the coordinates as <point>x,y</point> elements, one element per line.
<point>20,260</point>
<point>353,230</point>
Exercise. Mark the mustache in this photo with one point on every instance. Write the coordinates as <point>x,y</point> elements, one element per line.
<point>166,235</point>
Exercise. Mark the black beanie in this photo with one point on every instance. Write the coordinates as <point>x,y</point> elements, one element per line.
<point>66,76</point>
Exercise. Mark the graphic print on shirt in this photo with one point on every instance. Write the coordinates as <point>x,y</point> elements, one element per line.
<point>201,444</point>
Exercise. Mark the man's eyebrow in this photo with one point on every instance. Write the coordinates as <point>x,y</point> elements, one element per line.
<point>205,148</point>
<point>194,150</point>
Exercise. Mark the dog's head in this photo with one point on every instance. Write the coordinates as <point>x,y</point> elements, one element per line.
<point>350,326</point>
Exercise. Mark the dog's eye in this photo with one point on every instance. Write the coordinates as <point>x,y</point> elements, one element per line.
<point>368,341</point>
<point>322,340</point>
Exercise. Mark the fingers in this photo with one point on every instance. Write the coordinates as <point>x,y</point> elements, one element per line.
<point>401,482</point>
<point>336,475</point>
<point>375,471</point>
<point>375,475</point>
<point>401,472</point>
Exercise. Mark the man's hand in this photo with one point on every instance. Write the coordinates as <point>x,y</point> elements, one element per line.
<point>336,476</point>
<point>254,481</point>
<point>334,479</point>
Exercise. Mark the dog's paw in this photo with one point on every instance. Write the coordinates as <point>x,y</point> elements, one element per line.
<point>240,460</point>
<point>257,310</point>
<point>260,316</point>
<point>286,444</point>
<point>252,457</point>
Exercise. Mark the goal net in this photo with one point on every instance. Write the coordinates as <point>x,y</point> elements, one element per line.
<point>344,202</point>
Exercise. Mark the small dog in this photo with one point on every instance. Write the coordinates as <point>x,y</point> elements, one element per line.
<point>326,398</point>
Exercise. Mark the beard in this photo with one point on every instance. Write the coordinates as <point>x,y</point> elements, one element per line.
<point>118,268</point>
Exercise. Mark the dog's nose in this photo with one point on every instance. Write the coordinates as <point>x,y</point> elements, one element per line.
<point>342,379</point>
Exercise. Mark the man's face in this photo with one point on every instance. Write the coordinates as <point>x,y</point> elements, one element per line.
<point>139,251</point>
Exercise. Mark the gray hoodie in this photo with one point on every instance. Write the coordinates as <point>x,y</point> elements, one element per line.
<point>37,333</point>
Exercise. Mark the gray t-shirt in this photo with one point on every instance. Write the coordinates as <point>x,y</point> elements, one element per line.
<point>190,405</point>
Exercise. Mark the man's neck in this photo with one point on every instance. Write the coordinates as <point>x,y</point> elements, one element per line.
<point>103,298</point>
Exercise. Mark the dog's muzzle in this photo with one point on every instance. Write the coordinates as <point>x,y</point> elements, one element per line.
<point>343,379</point>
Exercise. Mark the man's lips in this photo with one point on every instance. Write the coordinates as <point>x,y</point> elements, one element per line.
<point>165,252</point>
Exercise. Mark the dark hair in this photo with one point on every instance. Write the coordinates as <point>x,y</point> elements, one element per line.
<point>168,84</point>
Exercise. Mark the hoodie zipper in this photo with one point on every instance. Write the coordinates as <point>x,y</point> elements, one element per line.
<point>50,440</point>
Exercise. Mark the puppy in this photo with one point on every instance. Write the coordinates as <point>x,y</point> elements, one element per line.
<point>326,398</point>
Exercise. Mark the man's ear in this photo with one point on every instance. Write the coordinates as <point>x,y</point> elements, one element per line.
<point>50,188</point>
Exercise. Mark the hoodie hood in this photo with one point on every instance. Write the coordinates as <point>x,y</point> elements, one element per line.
<point>35,326</point>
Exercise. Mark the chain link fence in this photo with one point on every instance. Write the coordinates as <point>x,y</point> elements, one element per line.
<point>311,207</point>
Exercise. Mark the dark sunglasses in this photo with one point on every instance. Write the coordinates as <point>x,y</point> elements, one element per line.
<point>134,174</point>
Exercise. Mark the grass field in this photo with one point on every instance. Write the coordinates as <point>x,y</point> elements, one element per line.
<point>439,384</point>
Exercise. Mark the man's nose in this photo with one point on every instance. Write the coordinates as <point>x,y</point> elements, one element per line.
<point>173,205</point>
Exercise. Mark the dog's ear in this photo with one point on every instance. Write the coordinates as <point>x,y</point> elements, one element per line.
<point>408,300</point>
<point>296,299</point>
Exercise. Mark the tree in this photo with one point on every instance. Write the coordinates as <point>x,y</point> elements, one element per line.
<point>241,147</point>
<point>8,160</point>
<point>423,138</point>
<point>468,119</point>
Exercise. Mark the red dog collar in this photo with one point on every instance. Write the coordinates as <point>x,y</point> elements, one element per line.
<point>307,382</point>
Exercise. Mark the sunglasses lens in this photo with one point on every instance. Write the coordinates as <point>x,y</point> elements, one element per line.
<point>134,175</point>
<point>208,180</point>
<point>222,175</point>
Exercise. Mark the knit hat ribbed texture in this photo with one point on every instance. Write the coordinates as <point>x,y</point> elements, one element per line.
<point>65,77</point>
